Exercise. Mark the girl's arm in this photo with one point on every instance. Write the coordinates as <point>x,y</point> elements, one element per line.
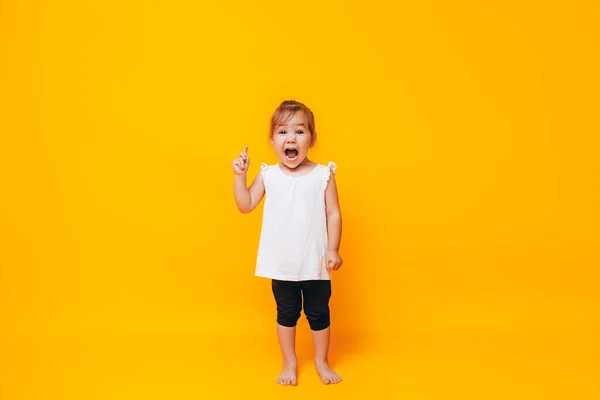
<point>334,215</point>
<point>248,198</point>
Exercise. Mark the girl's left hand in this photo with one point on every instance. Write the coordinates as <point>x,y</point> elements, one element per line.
<point>334,261</point>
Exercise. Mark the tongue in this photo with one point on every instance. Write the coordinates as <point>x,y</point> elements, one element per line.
<point>292,153</point>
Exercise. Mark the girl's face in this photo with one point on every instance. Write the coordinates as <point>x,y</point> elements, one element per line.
<point>291,140</point>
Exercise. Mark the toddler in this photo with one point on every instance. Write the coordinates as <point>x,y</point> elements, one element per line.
<point>301,232</point>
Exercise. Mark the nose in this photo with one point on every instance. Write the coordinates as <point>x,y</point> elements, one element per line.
<point>291,137</point>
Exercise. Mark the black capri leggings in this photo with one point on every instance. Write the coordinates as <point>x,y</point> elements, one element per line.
<point>289,295</point>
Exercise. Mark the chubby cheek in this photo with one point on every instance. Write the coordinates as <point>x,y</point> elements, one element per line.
<point>275,144</point>
<point>306,147</point>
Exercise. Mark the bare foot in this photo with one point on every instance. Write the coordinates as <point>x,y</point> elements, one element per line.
<point>326,373</point>
<point>288,376</point>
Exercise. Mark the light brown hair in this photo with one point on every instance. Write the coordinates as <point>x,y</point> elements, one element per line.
<point>286,111</point>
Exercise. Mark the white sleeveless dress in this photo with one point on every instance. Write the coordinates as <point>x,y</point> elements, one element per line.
<point>293,239</point>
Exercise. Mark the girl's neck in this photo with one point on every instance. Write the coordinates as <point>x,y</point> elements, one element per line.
<point>301,169</point>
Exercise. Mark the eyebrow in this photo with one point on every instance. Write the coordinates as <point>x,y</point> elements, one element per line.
<point>296,125</point>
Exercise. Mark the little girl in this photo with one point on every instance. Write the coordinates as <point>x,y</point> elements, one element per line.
<point>300,236</point>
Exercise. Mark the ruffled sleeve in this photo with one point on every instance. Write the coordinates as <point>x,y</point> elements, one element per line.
<point>263,170</point>
<point>331,168</point>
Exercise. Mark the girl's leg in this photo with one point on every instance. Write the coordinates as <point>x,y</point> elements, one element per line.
<point>287,343</point>
<point>316,308</point>
<point>321,340</point>
<point>288,297</point>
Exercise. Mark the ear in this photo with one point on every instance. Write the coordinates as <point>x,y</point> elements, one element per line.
<point>271,140</point>
<point>313,139</point>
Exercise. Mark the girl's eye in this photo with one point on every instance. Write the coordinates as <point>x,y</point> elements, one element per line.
<point>282,132</point>
<point>299,132</point>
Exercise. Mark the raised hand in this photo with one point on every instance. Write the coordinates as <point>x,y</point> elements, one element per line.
<point>241,164</point>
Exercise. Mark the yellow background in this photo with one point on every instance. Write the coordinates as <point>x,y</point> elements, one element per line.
<point>466,137</point>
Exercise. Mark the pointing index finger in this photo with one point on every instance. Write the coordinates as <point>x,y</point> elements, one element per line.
<point>246,150</point>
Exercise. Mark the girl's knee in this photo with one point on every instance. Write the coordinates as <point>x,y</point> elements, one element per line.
<point>318,320</point>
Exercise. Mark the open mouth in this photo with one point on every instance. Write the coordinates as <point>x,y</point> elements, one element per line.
<point>291,154</point>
